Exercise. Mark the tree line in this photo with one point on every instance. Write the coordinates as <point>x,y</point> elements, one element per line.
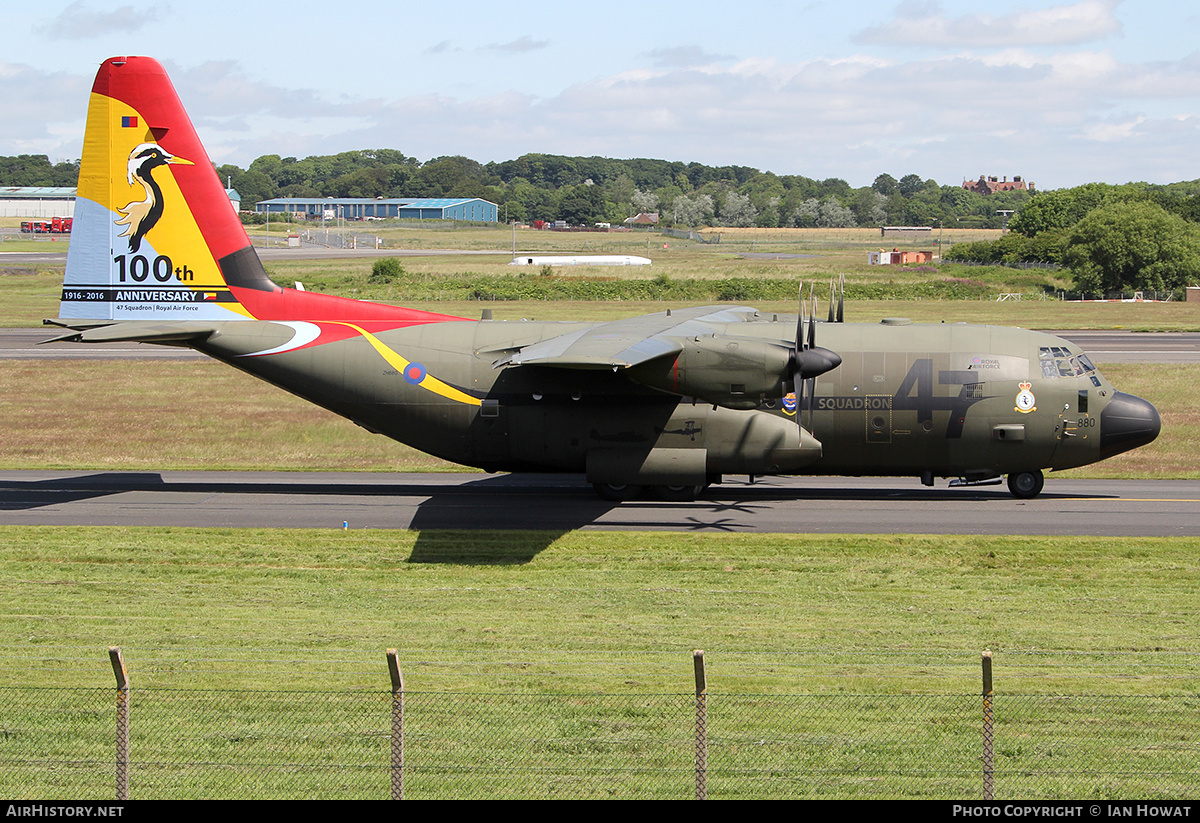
<point>1135,236</point>
<point>583,190</point>
<point>1132,236</point>
<point>37,170</point>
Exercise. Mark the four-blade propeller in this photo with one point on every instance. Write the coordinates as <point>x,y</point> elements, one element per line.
<point>809,361</point>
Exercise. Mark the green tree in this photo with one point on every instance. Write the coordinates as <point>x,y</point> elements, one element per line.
<point>737,210</point>
<point>692,211</point>
<point>1132,245</point>
<point>885,184</point>
<point>1059,209</point>
<point>582,204</point>
<point>910,184</point>
<point>36,170</point>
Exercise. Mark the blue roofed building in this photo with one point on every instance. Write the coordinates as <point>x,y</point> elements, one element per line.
<point>451,208</point>
<point>470,209</point>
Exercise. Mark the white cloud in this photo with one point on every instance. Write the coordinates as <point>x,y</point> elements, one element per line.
<point>521,45</point>
<point>684,57</point>
<point>927,25</point>
<point>43,112</point>
<point>79,22</point>
<point>1059,118</point>
<point>1107,132</point>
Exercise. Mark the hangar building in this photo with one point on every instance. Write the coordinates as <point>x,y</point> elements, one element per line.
<point>471,209</point>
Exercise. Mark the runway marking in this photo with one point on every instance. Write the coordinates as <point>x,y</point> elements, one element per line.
<point>1138,499</point>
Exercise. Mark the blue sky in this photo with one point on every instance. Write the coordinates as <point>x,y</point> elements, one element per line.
<point>1061,93</point>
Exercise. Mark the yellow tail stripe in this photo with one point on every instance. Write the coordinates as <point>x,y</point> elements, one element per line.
<point>400,364</point>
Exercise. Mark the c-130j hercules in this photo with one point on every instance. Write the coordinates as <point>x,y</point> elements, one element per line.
<point>669,401</point>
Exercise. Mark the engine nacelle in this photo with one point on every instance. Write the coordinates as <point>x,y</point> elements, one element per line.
<point>735,374</point>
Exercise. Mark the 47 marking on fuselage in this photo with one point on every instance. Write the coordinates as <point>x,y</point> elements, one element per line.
<point>916,394</point>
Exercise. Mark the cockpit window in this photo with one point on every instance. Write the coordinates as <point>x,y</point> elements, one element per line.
<point>1049,369</point>
<point>1059,362</point>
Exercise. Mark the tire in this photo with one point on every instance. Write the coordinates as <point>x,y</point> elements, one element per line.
<point>678,494</point>
<point>1026,485</point>
<point>617,492</point>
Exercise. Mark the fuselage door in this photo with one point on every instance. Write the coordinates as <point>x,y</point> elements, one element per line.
<point>1076,422</point>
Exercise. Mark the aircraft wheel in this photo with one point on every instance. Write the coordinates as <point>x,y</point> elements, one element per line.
<point>678,494</point>
<point>1026,485</point>
<point>617,492</point>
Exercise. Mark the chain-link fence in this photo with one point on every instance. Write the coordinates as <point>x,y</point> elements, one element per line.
<point>61,743</point>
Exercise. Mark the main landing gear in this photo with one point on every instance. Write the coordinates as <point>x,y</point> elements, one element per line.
<point>1026,485</point>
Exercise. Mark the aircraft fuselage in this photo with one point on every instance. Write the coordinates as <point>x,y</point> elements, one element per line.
<point>945,400</point>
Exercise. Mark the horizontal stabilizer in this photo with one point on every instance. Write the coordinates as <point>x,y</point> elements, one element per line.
<point>137,332</point>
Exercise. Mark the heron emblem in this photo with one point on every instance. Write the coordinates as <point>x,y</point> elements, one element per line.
<point>141,215</point>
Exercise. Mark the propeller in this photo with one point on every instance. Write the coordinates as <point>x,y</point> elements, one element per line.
<point>840,292</point>
<point>808,359</point>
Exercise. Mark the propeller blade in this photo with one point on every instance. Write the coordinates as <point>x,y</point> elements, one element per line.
<point>808,401</point>
<point>800,319</point>
<point>841,312</point>
<point>798,352</point>
<point>812,318</point>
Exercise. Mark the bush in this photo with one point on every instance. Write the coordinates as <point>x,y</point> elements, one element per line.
<point>386,270</point>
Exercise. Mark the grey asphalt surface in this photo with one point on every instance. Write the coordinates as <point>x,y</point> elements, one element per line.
<point>563,503</point>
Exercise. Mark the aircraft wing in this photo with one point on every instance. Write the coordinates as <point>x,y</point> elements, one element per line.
<point>622,344</point>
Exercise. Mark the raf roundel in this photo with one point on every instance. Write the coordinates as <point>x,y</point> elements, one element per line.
<point>414,373</point>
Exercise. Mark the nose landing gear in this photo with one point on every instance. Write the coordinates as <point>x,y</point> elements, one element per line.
<point>1026,485</point>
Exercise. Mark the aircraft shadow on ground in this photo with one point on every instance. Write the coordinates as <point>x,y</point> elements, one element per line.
<point>532,517</point>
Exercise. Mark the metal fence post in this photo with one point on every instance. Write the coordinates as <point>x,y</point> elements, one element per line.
<point>397,725</point>
<point>701,725</point>
<point>989,740</point>
<point>118,665</point>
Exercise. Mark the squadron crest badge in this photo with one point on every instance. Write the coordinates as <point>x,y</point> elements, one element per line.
<point>1026,402</point>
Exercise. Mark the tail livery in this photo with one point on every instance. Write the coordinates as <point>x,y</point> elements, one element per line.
<point>155,236</point>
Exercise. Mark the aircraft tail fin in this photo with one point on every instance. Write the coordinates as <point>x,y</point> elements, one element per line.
<point>155,236</point>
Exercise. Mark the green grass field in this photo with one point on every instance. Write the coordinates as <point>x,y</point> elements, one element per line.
<point>597,611</point>
<point>838,666</point>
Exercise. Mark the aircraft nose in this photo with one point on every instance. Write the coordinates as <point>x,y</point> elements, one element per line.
<point>1126,423</point>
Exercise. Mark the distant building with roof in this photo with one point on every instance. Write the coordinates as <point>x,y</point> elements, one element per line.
<point>991,185</point>
<point>469,209</point>
<point>56,201</point>
<point>646,218</point>
<point>37,201</point>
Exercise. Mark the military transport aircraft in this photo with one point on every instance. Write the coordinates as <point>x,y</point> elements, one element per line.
<point>670,401</point>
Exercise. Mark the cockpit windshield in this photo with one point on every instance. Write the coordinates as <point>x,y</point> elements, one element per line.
<point>1059,361</point>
